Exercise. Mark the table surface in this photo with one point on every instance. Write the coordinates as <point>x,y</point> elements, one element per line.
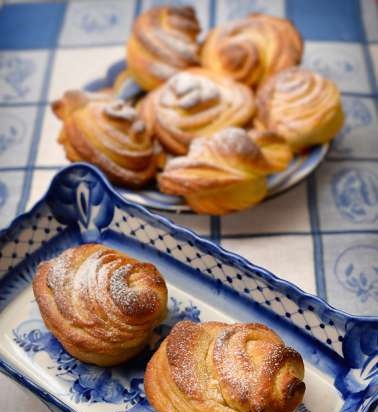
<point>322,235</point>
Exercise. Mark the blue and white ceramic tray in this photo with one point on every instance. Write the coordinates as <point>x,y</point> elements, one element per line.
<point>301,166</point>
<point>205,283</point>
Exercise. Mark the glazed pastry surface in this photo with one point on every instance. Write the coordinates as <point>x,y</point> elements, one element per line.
<point>225,172</point>
<point>101,304</point>
<point>163,42</point>
<point>107,133</point>
<point>195,103</point>
<point>217,367</point>
<point>251,49</point>
<point>302,106</point>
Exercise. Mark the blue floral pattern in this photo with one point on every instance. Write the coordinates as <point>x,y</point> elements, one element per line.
<point>341,66</point>
<point>355,193</point>
<point>357,115</point>
<point>357,271</point>
<point>88,383</point>
<point>12,131</point>
<point>14,71</point>
<point>97,18</point>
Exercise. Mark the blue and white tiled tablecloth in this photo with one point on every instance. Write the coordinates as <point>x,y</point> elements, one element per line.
<point>322,235</point>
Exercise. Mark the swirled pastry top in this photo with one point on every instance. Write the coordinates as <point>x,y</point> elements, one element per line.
<point>195,103</point>
<point>227,157</point>
<point>252,48</point>
<point>226,171</point>
<point>100,303</point>
<point>163,42</point>
<point>220,367</point>
<point>107,133</point>
<point>302,106</point>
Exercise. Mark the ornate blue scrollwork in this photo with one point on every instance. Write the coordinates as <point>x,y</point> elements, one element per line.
<point>97,18</point>
<point>81,197</point>
<point>359,384</point>
<point>89,383</point>
<point>355,192</point>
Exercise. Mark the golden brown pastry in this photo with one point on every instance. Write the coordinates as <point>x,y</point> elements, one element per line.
<point>101,304</point>
<point>226,172</point>
<point>252,48</point>
<point>302,106</point>
<point>195,103</point>
<point>216,367</point>
<point>163,42</point>
<point>107,133</point>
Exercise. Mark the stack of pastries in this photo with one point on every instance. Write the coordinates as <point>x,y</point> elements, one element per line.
<point>103,305</point>
<point>245,74</point>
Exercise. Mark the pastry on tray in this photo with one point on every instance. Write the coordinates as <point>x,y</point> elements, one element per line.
<point>101,304</point>
<point>195,103</point>
<point>300,105</point>
<point>221,367</point>
<point>109,134</point>
<point>163,41</point>
<point>227,171</point>
<point>252,48</point>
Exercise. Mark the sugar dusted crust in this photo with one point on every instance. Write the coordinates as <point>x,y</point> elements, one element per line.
<point>100,303</point>
<point>219,367</point>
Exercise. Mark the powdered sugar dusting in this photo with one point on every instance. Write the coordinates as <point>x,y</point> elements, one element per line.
<point>119,110</point>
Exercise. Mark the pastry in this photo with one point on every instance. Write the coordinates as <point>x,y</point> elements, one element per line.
<point>252,48</point>
<point>302,106</point>
<point>109,134</point>
<point>162,42</point>
<point>226,172</point>
<point>220,367</point>
<point>195,103</point>
<point>101,304</point>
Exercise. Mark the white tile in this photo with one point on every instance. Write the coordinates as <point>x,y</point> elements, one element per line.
<point>229,10</point>
<point>288,257</point>
<point>40,183</point>
<point>97,22</point>
<point>287,212</point>
<point>50,152</point>
<point>74,68</point>
<point>344,63</point>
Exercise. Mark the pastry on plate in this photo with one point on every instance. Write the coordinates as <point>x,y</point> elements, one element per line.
<point>163,41</point>
<point>195,103</point>
<point>300,105</point>
<point>220,367</point>
<point>100,304</point>
<point>225,172</point>
<point>109,134</point>
<point>251,49</point>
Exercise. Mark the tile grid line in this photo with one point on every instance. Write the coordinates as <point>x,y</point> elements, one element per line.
<point>38,126</point>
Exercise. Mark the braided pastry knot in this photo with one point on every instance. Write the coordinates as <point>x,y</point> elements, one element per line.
<point>227,171</point>
<point>107,133</point>
<point>195,103</point>
<point>302,106</point>
<point>101,304</point>
<point>163,42</point>
<point>251,49</point>
<point>216,367</point>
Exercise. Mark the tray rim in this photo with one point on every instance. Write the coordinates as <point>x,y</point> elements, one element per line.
<point>187,234</point>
